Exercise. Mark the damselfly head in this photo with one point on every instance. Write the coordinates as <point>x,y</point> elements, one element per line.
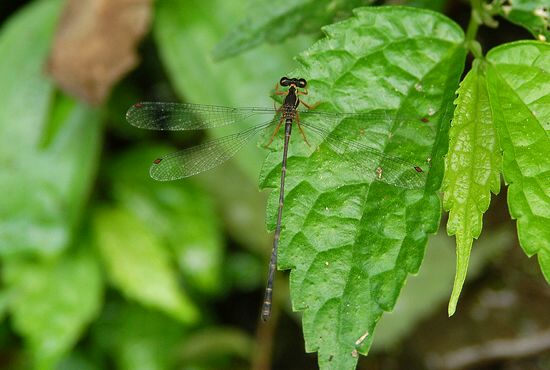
<point>296,82</point>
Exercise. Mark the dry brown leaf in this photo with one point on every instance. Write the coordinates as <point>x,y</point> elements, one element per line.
<point>95,45</point>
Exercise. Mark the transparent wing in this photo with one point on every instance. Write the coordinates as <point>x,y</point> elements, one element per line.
<point>328,120</point>
<point>375,165</point>
<point>176,116</point>
<point>202,157</point>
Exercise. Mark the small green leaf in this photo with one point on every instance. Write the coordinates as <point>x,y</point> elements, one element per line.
<point>350,243</point>
<point>51,302</point>
<point>533,15</point>
<point>48,159</point>
<point>518,77</point>
<point>275,21</point>
<point>472,169</point>
<point>139,265</point>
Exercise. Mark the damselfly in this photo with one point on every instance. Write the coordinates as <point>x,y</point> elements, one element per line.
<point>376,165</point>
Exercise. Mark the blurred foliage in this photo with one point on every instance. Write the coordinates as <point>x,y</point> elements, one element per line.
<point>271,22</point>
<point>534,15</point>
<point>60,140</point>
<point>51,302</point>
<point>104,268</point>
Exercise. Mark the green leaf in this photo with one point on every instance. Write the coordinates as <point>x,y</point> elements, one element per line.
<point>532,15</point>
<point>138,263</point>
<point>275,21</point>
<point>472,169</point>
<point>48,146</point>
<point>351,244</point>
<point>51,302</point>
<point>137,338</point>
<point>179,214</point>
<point>518,77</point>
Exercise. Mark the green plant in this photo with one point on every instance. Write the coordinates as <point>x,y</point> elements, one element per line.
<point>91,248</point>
<point>334,277</point>
<point>412,60</point>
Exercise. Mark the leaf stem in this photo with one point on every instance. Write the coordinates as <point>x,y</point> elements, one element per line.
<point>471,32</point>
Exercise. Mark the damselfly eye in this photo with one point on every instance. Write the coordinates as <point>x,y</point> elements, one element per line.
<point>302,83</point>
<point>285,81</point>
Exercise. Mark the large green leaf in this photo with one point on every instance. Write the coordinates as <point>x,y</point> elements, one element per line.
<point>518,77</point>
<point>51,302</point>
<point>274,21</point>
<point>48,146</point>
<point>472,172</point>
<point>350,244</point>
<point>139,264</point>
<point>533,15</point>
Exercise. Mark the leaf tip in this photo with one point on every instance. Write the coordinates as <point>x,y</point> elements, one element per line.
<point>451,309</point>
